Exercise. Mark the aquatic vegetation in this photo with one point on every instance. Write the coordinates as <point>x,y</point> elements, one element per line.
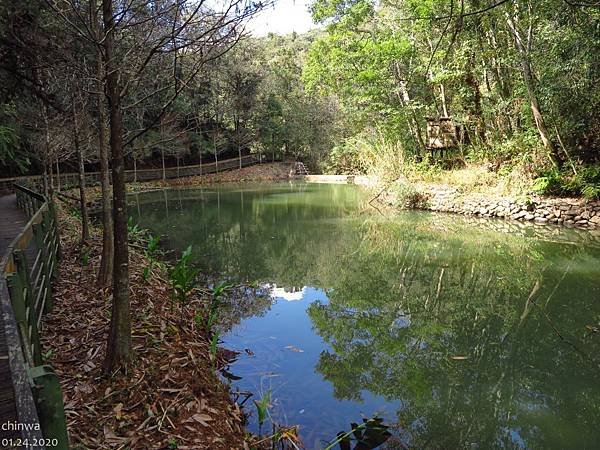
<point>152,246</point>
<point>215,303</point>
<point>150,253</point>
<point>262,409</point>
<point>135,232</point>
<point>183,277</point>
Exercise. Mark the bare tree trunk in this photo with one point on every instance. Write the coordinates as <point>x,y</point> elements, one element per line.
<point>413,121</point>
<point>477,109</point>
<point>45,151</point>
<point>118,350</point>
<point>200,160</point>
<point>162,157</point>
<point>85,220</point>
<point>505,120</point>
<point>443,100</point>
<point>108,243</point>
<point>45,176</point>
<point>215,150</point>
<point>523,51</point>
<point>58,174</point>
<point>237,133</point>
<point>134,169</point>
<point>51,167</point>
<point>106,260</point>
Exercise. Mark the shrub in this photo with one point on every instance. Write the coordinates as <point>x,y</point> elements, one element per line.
<point>407,196</point>
<point>586,183</point>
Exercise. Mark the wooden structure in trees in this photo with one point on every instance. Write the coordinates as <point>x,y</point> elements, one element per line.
<point>444,134</point>
<point>299,169</point>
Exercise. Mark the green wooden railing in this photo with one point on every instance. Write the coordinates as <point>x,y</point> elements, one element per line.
<point>26,272</point>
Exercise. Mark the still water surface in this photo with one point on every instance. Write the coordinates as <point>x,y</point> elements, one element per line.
<point>460,333</point>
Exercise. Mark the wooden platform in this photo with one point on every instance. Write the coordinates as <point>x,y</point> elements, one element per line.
<point>12,221</point>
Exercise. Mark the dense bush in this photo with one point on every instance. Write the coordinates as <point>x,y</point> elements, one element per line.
<point>585,182</point>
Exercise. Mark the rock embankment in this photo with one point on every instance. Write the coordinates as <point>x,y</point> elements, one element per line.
<point>561,211</point>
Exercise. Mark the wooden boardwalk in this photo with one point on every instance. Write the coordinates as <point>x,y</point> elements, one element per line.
<point>12,221</point>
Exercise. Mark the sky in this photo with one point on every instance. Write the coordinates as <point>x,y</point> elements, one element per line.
<point>286,16</point>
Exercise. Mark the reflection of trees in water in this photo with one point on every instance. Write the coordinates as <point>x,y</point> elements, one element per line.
<point>406,298</point>
<point>437,324</point>
<point>271,237</point>
<point>243,302</point>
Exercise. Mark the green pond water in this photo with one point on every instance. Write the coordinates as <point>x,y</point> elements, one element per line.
<point>458,332</point>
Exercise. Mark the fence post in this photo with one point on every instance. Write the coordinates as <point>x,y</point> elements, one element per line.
<point>40,232</point>
<point>50,405</point>
<point>50,221</point>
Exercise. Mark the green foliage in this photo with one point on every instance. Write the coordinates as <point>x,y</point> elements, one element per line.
<point>591,191</point>
<point>262,408</point>
<point>211,317</point>
<point>84,255</point>
<point>152,246</point>
<point>11,153</point>
<point>47,355</point>
<point>134,231</point>
<point>522,145</point>
<point>344,159</point>
<point>390,73</point>
<point>549,183</point>
<point>586,183</point>
<point>183,277</point>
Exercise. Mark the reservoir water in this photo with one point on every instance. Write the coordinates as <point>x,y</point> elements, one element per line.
<point>458,332</point>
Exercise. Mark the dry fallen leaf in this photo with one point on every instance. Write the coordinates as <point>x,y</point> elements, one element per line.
<point>294,349</point>
<point>202,419</point>
<point>118,409</point>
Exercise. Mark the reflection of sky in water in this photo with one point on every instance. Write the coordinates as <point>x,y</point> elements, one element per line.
<point>284,346</point>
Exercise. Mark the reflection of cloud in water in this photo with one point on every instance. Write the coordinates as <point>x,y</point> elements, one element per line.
<point>290,294</point>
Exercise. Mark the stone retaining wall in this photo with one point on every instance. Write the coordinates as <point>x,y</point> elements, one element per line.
<point>571,212</point>
<point>566,211</point>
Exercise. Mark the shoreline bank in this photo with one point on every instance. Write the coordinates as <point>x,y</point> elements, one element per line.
<point>570,212</point>
<point>171,395</point>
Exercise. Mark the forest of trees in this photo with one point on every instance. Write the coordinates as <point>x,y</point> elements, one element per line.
<point>116,84</point>
<point>520,77</point>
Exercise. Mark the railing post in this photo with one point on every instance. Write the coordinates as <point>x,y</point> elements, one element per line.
<point>54,250</point>
<point>50,405</point>
<point>40,232</point>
